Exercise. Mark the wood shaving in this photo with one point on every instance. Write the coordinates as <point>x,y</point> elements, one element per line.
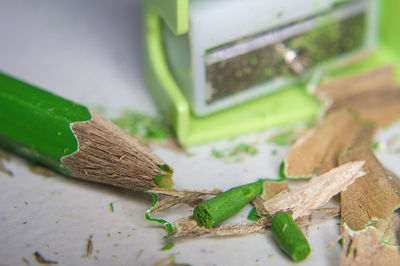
<point>318,151</point>
<point>187,226</point>
<point>343,89</point>
<point>373,197</point>
<point>316,192</point>
<point>40,259</point>
<point>365,248</point>
<point>270,190</point>
<point>374,95</point>
<point>193,198</point>
<point>4,169</point>
<point>89,247</point>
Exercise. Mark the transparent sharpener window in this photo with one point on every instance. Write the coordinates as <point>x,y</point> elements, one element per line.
<point>243,64</point>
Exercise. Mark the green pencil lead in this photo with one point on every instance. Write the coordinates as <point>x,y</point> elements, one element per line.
<point>289,237</point>
<point>226,204</point>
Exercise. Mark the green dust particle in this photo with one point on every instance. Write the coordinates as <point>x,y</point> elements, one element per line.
<point>283,138</point>
<point>281,172</point>
<point>113,256</point>
<point>56,222</point>
<point>340,241</point>
<point>119,233</point>
<point>252,216</point>
<point>26,203</point>
<point>144,126</point>
<point>271,256</point>
<point>375,145</point>
<point>97,251</point>
<point>108,235</point>
<point>217,154</point>
<point>190,155</point>
<point>234,152</point>
<point>112,207</point>
<point>274,152</point>
<point>168,246</point>
<point>15,207</point>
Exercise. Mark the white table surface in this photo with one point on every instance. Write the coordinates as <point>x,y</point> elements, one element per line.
<point>90,51</point>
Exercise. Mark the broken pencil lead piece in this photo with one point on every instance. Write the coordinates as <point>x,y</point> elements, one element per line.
<point>289,237</point>
<point>226,204</point>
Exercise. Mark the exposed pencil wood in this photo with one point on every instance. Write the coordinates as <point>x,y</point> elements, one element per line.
<point>316,192</point>
<point>318,151</point>
<point>108,155</point>
<point>373,197</point>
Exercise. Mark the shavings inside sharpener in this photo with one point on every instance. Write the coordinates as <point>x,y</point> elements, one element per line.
<point>290,50</point>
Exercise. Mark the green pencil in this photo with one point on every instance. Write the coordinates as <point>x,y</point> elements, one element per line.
<point>74,140</point>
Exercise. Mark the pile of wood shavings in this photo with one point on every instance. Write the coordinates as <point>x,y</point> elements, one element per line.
<point>356,108</point>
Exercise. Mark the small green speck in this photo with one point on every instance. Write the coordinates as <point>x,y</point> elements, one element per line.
<point>25,203</point>
<point>274,152</point>
<point>283,138</point>
<point>97,251</point>
<point>108,235</point>
<point>190,155</point>
<point>119,233</point>
<point>235,153</point>
<point>217,154</point>
<point>113,256</point>
<point>252,216</point>
<point>143,126</point>
<point>271,256</point>
<point>56,222</point>
<point>15,207</point>
<point>168,246</point>
<point>112,207</point>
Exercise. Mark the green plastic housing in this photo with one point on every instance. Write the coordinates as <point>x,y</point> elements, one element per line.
<point>282,107</point>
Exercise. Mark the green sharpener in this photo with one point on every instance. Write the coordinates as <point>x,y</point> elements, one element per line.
<point>221,68</point>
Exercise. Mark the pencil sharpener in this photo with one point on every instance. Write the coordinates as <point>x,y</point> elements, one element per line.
<point>220,68</point>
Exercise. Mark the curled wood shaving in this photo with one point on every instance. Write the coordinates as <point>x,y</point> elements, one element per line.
<point>316,192</point>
